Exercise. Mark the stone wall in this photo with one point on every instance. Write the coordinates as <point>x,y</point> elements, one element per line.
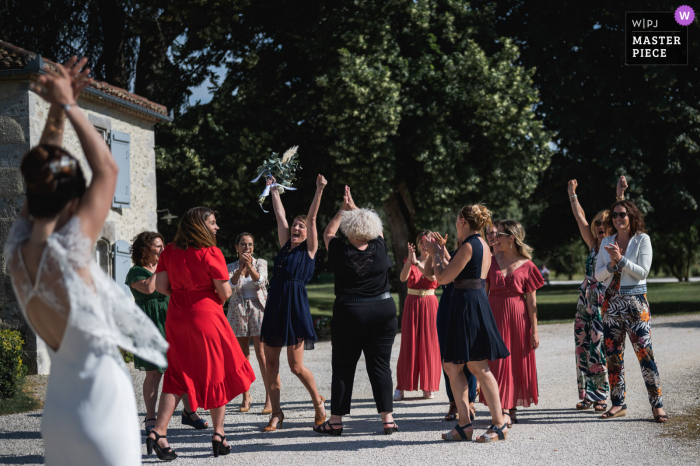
<point>22,118</point>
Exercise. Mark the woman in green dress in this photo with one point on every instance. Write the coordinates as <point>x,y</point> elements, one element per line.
<point>141,280</point>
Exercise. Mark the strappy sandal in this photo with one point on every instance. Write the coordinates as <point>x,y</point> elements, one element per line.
<point>148,428</point>
<point>218,445</point>
<point>164,453</point>
<point>513,419</point>
<point>463,436</point>
<point>452,416</point>
<point>472,411</point>
<point>245,407</point>
<point>320,416</point>
<point>327,428</point>
<point>583,405</point>
<point>659,418</point>
<point>199,424</point>
<point>600,406</point>
<point>509,422</point>
<point>269,427</point>
<point>500,435</point>
<point>390,430</point>
<point>621,413</point>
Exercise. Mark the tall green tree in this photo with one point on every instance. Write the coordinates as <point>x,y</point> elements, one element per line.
<point>397,99</point>
<point>610,119</point>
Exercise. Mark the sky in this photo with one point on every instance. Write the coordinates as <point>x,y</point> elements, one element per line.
<point>201,93</point>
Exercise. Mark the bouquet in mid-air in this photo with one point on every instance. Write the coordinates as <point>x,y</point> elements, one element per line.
<point>282,168</point>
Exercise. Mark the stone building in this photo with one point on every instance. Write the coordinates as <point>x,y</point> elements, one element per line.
<point>127,123</point>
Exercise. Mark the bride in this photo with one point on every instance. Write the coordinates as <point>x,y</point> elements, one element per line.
<point>90,414</point>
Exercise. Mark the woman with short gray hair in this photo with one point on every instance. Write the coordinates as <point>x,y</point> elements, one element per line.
<point>364,313</point>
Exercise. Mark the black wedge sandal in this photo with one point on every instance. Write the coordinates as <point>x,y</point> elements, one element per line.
<point>199,424</point>
<point>390,430</point>
<point>218,446</point>
<point>500,435</point>
<point>327,429</point>
<point>463,436</point>
<point>164,453</point>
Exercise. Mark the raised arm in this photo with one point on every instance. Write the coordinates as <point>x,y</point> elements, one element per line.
<point>58,89</point>
<point>410,260</point>
<point>621,187</point>
<point>311,231</point>
<point>334,224</point>
<point>282,225</point>
<point>580,216</point>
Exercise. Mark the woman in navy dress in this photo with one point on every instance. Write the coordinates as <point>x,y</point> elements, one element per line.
<point>471,334</point>
<point>287,320</point>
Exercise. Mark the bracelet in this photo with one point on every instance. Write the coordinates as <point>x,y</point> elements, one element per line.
<point>620,198</point>
<point>571,198</point>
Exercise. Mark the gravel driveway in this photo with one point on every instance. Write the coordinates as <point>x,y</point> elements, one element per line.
<point>550,433</point>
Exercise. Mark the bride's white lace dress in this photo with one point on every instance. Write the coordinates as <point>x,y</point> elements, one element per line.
<point>90,415</point>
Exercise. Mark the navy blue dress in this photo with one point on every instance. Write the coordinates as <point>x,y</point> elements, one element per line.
<point>287,320</point>
<point>470,330</point>
<point>440,323</point>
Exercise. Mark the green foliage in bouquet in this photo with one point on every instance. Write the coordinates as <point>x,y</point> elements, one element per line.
<point>282,168</point>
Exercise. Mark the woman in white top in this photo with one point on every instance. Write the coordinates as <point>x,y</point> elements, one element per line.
<point>247,306</point>
<point>622,265</point>
<point>90,414</point>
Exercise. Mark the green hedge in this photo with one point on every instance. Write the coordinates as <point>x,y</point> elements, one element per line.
<point>11,367</point>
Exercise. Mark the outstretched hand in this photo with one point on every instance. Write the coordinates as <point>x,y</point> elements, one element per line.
<point>412,254</point>
<point>320,183</point>
<point>437,237</point>
<point>431,246</point>
<point>348,203</point>
<point>573,184</point>
<point>621,186</point>
<point>55,87</point>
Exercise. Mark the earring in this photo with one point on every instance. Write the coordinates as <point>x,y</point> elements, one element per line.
<point>511,245</point>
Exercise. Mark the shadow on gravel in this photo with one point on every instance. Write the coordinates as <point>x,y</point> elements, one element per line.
<point>20,435</point>
<point>29,459</point>
<point>687,324</point>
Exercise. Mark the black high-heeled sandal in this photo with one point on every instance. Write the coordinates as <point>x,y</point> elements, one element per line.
<point>218,446</point>
<point>392,429</point>
<point>327,429</point>
<point>199,424</point>
<point>164,453</point>
<point>148,428</point>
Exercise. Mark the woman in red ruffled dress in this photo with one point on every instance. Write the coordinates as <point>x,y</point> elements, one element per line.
<point>511,284</point>
<point>419,356</point>
<point>205,361</point>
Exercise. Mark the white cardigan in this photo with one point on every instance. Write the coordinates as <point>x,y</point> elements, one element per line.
<point>634,266</point>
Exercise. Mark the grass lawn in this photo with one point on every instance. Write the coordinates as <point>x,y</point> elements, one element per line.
<point>556,302</point>
<point>24,400</point>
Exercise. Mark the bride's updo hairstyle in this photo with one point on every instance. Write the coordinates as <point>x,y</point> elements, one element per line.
<point>477,216</point>
<point>53,178</point>
<point>193,231</point>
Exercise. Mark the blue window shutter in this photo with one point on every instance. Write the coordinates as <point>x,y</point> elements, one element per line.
<point>121,152</point>
<point>122,262</point>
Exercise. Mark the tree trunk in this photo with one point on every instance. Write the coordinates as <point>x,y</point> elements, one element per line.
<point>400,213</point>
<point>113,17</point>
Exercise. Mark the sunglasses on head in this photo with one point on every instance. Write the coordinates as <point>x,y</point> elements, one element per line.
<point>618,214</point>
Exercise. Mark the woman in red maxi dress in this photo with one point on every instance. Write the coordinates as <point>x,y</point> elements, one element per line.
<point>512,283</point>
<point>419,355</point>
<point>205,360</point>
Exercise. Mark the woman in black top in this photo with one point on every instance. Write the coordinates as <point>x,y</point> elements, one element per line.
<point>364,313</point>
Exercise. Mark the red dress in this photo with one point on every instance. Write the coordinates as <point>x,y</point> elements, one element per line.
<point>204,358</point>
<point>419,355</point>
<point>517,374</point>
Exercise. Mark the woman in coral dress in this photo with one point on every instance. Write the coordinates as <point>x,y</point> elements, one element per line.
<point>512,283</point>
<point>205,360</point>
<point>419,356</point>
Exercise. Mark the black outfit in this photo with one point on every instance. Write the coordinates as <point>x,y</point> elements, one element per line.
<point>471,333</point>
<point>364,320</point>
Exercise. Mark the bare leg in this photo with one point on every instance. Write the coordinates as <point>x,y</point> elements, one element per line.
<point>272,378</point>
<point>244,342</point>
<point>295,355</point>
<point>150,394</point>
<point>460,391</point>
<point>166,408</point>
<point>259,347</point>
<point>489,387</point>
<point>217,418</point>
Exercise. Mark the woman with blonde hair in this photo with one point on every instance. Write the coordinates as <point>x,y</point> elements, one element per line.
<point>511,285</point>
<point>205,361</point>
<point>471,335</point>
<point>287,320</point>
<point>591,369</point>
<point>246,307</point>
